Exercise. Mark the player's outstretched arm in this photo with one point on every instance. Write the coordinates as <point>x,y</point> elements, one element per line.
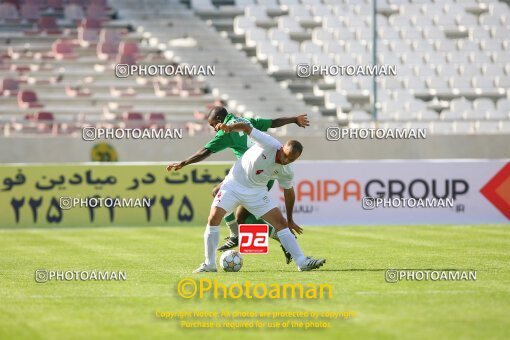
<point>236,127</point>
<point>261,138</point>
<point>198,156</point>
<point>290,199</point>
<point>301,121</point>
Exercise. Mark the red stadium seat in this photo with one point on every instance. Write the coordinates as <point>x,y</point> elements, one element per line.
<point>44,122</point>
<point>29,11</point>
<point>3,64</point>
<point>87,36</point>
<point>48,25</point>
<point>132,120</point>
<point>128,48</point>
<point>8,12</point>
<point>28,99</point>
<point>126,59</point>
<point>103,3</point>
<point>88,31</point>
<point>110,36</point>
<point>9,87</point>
<point>73,12</point>
<point>56,4</point>
<point>106,51</point>
<point>16,3</point>
<point>136,116</point>
<point>157,120</point>
<point>43,116</point>
<point>91,23</point>
<point>63,49</point>
<point>40,3</point>
<point>96,12</point>
<point>157,117</point>
<point>78,2</point>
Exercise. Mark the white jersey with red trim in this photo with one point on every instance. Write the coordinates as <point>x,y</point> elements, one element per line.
<point>258,164</point>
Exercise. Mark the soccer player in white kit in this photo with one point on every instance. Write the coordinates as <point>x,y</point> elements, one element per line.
<point>245,185</point>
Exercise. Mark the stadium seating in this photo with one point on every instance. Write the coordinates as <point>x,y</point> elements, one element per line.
<point>59,56</point>
<point>452,57</point>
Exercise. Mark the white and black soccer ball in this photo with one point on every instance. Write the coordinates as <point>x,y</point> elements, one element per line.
<point>231,261</point>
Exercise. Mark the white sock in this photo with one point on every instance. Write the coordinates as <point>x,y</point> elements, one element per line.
<point>290,244</point>
<point>234,228</point>
<point>211,241</point>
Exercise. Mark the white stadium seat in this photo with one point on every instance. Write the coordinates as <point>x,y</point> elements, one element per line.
<point>201,4</point>
<point>498,115</point>
<point>442,128</point>
<point>288,24</point>
<point>483,83</point>
<point>452,115</point>
<point>264,49</point>
<point>321,36</point>
<point>333,47</point>
<point>445,51</point>
<point>242,24</point>
<point>299,58</point>
<point>343,33</point>
<point>476,115</point>
<point>255,12</point>
<point>276,35</point>
<point>504,104</point>
<point>483,104</point>
<point>465,19</point>
<point>319,11</point>
<point>287,46</point>
<point>359,115</point>
<point>254,36</point>
<point>428,115</point>
<point>278,63</point>
<point>310,47</point>
<point>505,126</point>
<point>488,19</point>
<point>464,128</point>
<point>485,127</point>
<point>267,3</point>
<point>460,104</point>
<point>299,12</point>
<point>289,3</point>
<point>332,22</point>
<point>335,99</point>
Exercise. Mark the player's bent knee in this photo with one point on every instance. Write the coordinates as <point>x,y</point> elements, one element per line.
<point>241,214</point>
<point>276,219</point>
<point>216,215</point>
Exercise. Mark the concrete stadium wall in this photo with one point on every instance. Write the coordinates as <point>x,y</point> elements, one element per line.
<point>68,149</point>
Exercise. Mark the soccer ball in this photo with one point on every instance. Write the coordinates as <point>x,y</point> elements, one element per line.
<point>231,261</point>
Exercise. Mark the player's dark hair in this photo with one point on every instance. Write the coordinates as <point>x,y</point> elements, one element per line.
<point>217,113</point>
<point>295,146</point>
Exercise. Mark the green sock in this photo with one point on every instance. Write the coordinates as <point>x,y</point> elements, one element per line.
<point>232,225</point>
<point>252,220</point>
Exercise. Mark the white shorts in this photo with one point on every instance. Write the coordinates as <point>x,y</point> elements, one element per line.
<point>255,200</point>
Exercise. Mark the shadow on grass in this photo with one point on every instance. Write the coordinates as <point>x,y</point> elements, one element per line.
<point>364,270</point>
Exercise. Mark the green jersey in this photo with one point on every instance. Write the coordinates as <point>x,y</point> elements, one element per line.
<point>238,142</point>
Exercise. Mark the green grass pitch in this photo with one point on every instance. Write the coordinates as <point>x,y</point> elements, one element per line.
<point>156,258</point>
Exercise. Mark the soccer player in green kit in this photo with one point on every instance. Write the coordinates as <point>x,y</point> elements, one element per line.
<point>238,143</point>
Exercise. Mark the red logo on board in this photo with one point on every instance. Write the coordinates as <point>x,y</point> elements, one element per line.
<point>497,190</point>
<point>253,238</point>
